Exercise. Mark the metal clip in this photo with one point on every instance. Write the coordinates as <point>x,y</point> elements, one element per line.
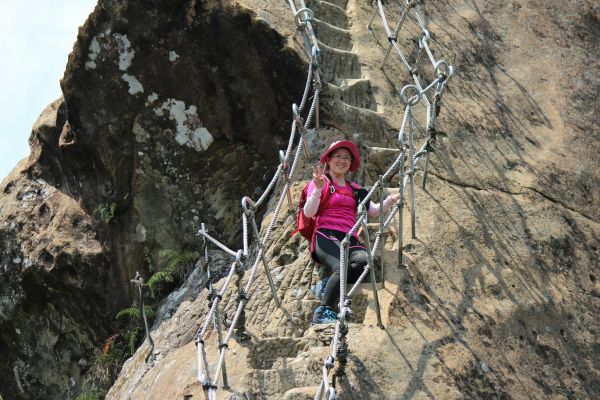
<point>414,99</point>
<point>309,16</point>
<point>297,117</point>
<point>443,73</point>
<point>331,394</point>
<point>284,165</point>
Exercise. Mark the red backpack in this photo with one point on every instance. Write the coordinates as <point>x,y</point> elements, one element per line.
<point>305,225</point>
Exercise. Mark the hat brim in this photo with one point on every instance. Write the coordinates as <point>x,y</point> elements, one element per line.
<point>348,145</point>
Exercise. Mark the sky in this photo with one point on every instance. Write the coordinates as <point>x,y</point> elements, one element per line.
<point>36,38</point>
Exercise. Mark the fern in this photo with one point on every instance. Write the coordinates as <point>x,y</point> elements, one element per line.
<point>133,313</point>
<point>132,337</point>
<point>107,212</point>
<point>176,259</point>
<point>157,279</point>
<point>94,394</point>
<point>174,267</point>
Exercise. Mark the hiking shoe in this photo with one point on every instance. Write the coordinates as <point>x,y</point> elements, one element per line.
<point>324,315</point>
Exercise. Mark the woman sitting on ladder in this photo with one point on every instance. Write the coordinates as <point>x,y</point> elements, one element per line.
<point>335,220</point>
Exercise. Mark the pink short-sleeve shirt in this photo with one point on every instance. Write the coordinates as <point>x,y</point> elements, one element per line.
<point>340,212</point>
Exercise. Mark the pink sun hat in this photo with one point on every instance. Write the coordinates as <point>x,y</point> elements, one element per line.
<point>348,145</point>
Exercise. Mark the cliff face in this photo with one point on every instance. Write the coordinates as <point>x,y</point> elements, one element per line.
<point>171,112</point>
<point>174,110</point>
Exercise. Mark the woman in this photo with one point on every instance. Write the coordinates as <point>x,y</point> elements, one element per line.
<point>335,220</point>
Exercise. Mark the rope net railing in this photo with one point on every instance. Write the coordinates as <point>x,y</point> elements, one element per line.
<point>289,161</point>
<point>405,165</point>
<point>411,95</point>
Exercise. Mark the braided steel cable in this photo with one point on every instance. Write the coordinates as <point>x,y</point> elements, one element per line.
<point>313,77</point>
<point>388,31</point>
<point>311,32</point>
<point>139,282</point>
<point>305,94</point>
<point>270,187</point>
<point>245,233</point>
<point>442,71</point>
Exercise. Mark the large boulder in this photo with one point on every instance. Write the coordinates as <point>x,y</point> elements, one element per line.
<point>171,111</point>
<point>498,294</point>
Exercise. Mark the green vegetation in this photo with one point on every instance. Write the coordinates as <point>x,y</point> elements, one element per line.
<point>107,363</point>
<point>107,212</point>
<point>135,330</point>
<point>93,394</point>
<point>133,313</point>
<point>175,267</point>
<point>130,331</point>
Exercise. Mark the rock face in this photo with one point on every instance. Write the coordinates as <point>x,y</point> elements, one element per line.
<point>55,274</point>
<point>498,296</point>
<point>173,110</point>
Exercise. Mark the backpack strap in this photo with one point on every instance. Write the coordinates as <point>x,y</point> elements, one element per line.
<point>331,189</point>
<point>325,200</point>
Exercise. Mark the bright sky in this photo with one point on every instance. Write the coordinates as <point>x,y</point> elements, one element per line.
<point>36,38</point>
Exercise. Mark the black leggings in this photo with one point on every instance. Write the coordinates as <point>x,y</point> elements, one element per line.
<point>327,252</point>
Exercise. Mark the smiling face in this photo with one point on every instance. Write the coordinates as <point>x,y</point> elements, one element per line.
<point>339,161</point>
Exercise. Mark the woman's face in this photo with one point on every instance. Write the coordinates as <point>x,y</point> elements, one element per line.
<point>340,161</point>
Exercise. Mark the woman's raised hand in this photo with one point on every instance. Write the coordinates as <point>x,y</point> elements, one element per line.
<point>319,176</point>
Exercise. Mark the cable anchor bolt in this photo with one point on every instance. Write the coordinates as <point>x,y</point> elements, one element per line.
<point>308,16</point>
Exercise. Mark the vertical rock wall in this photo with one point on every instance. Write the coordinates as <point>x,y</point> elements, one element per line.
<point>171,111</point>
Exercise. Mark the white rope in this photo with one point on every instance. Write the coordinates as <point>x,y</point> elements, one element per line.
<point>215,304</point>
<point>270,187</point>
<point>439,84</point>
<point>245,233</point>
<point>218,244</point>
<point>304,17</point>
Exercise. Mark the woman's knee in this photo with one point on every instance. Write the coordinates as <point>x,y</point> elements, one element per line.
<point>358,259</point>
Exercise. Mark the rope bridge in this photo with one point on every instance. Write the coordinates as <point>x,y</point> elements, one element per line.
<point>405,165</point>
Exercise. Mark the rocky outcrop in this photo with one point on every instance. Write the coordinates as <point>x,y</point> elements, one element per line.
<point>53,292</point>
<point>166,102</point>
<point>497,297</point>
<point>171,112</point>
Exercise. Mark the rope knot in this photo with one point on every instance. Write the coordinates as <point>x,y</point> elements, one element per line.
<point>329,362</point>
<point>432,132</point>
<point>314,56</point>
<point>344,331</point>
<point>138,280</point>
<point>239,258</point>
